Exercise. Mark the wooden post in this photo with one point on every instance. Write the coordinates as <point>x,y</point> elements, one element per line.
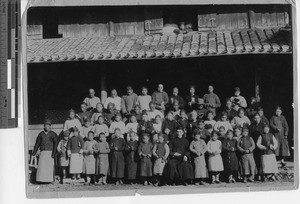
<point>257,82</point>
<point>103,83</point>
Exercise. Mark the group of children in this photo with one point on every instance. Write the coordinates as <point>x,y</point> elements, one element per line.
<point>166,149</point>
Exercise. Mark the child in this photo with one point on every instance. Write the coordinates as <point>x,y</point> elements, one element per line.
<point>110,113</point>
<point>145,126</point>
<point>209,129</point>
<point>222,133</point>
<point>99,112</point>
<point>157,125</point>
<point>238,100</point>
<point>215,162</point>
<point>223,122</point>
<point>102,162</point>
<point>87,127</point>
<point>84,114</point>
<point>117,145</point>
<point>241,120</point>
<point>72,122</point>
<point>246,146</point>
<point>75,150</point>
<point>201,130</point>
<point>183,120</point>
<point>118,123</point>
<point>237,133</point>
<point>137,112</point>
<point>263,118</point>
<point>229,157</point>
<point>144,99</point>
<point>201,110</point>
<point>210,118</point>
<point>198,147</point>
<point>152,113</point>
<point>63,157</point>
<point>132,157</point>
<point>161,152</point>
<point>145,153</point>
<point>101,127</point>
<point>267,143</point>
<point>280,130</point>
<point>131,126</point>
<point>89,161</point>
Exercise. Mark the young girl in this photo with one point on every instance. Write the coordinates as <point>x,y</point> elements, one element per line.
<point>263,118</point>
<point>229,157</point>
<point>246,146</point>
<point>161,152</point>
<point>118,123</point>
<point>145,126</point>
<point>99,112</point>
<point>157,125</point>
<point>170,123</point>
<point>145,152</point>
<point>176,109</point>
<point>102,162</point>
<point>63,157</point>
<point>223,122</point>
<point>267,143</point>
<point>132,157</point>
<point>72,122</point>
<point>87,127</point>
<point>210,118</point>
<point>237,133</point>
<point>222,133</point>
<point>101,127</point>
<point>117,145</point>
<point>215,162</point>
<point>241,120</point>
<point>198,148</point>
<point>280,130</point>
<point>75,150</point>
<point>131,126</point>
<point>89,161</point>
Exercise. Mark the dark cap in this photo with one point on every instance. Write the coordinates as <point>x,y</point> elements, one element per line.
<point>47,122</point>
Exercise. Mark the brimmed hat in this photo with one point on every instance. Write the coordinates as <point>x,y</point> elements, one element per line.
<point>47,122</point>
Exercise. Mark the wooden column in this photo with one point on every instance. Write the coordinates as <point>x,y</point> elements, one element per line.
<point>103,86</point>
<point>257,84</point>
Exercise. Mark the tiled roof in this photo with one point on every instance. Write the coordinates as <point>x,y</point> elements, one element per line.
<point>195,44</point>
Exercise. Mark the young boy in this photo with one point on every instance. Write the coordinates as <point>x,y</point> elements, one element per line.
<point>89,161</point>
<point>144,99</point>
<point>118,123</point>
<point>210,118</point>
<point>75,150</point>
<point>101,127</point>
<point>102,162</point>
<point>145,152</point>
<point>117,145</point>
<point>87,127</point>
<point>132,157</point>
<point>267,143</point>
<point>161,152</point>
<point>63,157</point>
<point>246,146</point>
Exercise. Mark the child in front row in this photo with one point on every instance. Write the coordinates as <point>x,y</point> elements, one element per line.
<point>145,152</point>
<point>63,156</point>
<point>161,152</point>
<point>117,145</point>
<point>132,157</point>
<point>75,150</point>
<point>267,143</point>
<point>89,160</point>
<point>230,159</point>
<point>246,146</point>
<point>102,162</point>
<point>215,162</point>
<point>198,148</point>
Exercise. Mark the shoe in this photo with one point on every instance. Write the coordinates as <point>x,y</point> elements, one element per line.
<point>245,181</point>
<point>233,180</point>
<point>78,177</point>
<point>185,184</point>
<point>121,182</point>
<point>217,181</point>
<point>73,178</point>
<point>273,178</point>
<point>145,183</point>
<point>117,183</point>
<point>250,180</point>
<point>197,183</point>
<point>213,182</point>
<point>201,183</point>
<point>104,183</point>
<point>131,183</point>
<point>283,164</point>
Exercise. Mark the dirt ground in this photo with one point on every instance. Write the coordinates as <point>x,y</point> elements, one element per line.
<point>285,180</point>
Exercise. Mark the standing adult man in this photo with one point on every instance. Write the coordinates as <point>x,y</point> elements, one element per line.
<point>211,100</point>
<point>92,100</point>
<point>46,142</point>
<point>176,97</point>
<point>160,98</point>
<point>115,99</point>
<point>129,101</point>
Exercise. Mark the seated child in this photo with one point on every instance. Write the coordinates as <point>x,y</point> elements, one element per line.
<point>86,128</point>
<point>99,112</point>
<point>210,118</point>
<point>75,150</point>
<point>246,146</point>
<point>230,159</point>
<point>101,127</point>
<point>117,165</point>
<point>102,162</point>
<point>201,110</point>
<point>222,133</point>
<point>161,152</point>
<point>118,123</point>
<point>145,152</point>
<point>63,157</point>
<point>241,120</point>
<point>157,124</point>
<point>89,161</point>
<point>132,157</point>
<point>223,122</point>
<point>183,120</point>
<point>198,148</point>
<point>215,162</point>
<point>267,143</point>
<point>131,126</point>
